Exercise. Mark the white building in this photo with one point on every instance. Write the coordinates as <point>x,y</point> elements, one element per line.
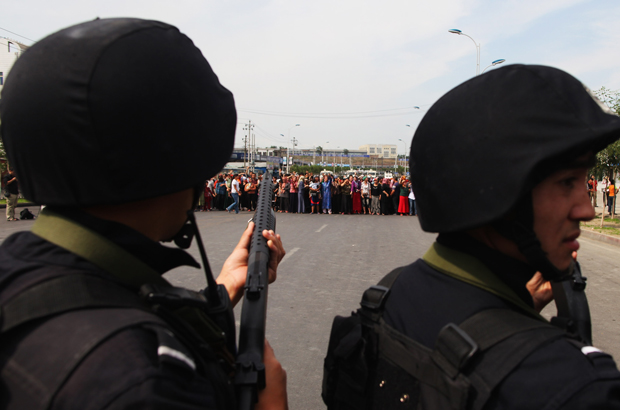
<point>10,50</point>
<point>380,150</point>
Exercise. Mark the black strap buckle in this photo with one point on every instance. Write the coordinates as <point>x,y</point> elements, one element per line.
<point>173,297</point>
<point>456,347</point>
<point>374,298</point>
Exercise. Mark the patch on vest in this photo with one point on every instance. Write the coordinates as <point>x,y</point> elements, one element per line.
<point>590,349</point>
<point>177,355</point>
<point>171,350</point>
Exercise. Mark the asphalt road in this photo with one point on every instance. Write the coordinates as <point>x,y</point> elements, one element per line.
<point>332,259</point>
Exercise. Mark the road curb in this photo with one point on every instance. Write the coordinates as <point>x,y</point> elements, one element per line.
<point>612,240</point>
<point>20,205</point>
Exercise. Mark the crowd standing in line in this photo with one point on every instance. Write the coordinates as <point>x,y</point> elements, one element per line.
<point>326,194</point>
<point>312,194</point>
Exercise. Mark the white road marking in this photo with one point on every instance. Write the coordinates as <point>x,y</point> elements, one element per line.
<point>288,254</point>
<point>321,228</point>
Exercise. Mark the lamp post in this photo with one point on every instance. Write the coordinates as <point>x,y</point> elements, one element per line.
<point>288,152</point>
<point>280,151</point>
<point>494,63</point>
<point>335,161</point>
<point>405,156</point>
<point>326,142</point>
<point>460,33</point>
<point>406,150</point>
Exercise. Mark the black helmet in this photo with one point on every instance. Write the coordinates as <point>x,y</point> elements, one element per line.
<point>487,142</point>
<point>113,111</point>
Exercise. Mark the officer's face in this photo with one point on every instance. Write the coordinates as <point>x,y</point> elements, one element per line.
<point>560,202</point>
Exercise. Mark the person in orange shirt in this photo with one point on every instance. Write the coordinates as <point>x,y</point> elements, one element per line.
<point>612,190</point>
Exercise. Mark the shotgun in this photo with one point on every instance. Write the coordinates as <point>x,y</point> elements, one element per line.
<point>250,370</point>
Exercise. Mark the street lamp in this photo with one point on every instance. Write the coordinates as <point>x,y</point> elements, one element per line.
<point>335,161</point>
<point>494,63</point>
<point>326,142</point>
<point>460,33</point>
<point>288,152</point>
<point>405,156</point>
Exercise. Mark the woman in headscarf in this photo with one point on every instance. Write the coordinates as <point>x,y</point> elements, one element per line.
<point>403,199</point>
<point>301,204</point>
<point>315,194</point>
<point>395,195</point>
<point>345,189</point>
<point>221,191</point>
<point>336,195</point>
<point>306,194</point>
<point>292,201</point>
<point>326,192</point>
<point>285,187</point>
<point>356,196</point>
<point>375,193</point>
<point>386,201</point>
<point>366,196</point>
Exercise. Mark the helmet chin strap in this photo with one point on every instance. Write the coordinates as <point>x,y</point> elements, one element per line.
<point>520,230</point>
<point>183,239</point>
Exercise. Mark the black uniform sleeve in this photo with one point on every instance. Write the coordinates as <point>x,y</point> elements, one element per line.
<point>163,394</point>
<point>560,375</point>
<point>601,394</point>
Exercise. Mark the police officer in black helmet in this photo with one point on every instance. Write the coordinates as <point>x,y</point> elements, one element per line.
<point>94,116</point>
<point>515,146</point>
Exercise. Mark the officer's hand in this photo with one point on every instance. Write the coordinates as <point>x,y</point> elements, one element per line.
<point>235,269</point>
<point>541,292</point>
<point>274,395</point>
<point>540,289</point>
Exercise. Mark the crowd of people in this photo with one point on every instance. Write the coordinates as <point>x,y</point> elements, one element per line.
<point>313,194</point>
<point>609,190</point>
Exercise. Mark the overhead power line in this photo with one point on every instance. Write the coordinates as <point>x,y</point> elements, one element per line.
<point>12,32</point>
<point>340,117</point>
<point>415,107</point>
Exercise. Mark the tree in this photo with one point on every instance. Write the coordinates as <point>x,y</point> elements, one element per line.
<point>608,160</point>
<point>345,152</point>
<point>319,150</point>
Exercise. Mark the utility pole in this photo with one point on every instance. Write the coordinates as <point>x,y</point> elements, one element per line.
<point>249,127</point>
<point>288,157</point>
<point>245,148</point>
<point>253,152</point>
<point>395,159</point>
<point>294,141</point>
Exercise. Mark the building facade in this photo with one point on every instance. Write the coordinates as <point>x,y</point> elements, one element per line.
<point>10,50</point>
<point>380,150</point>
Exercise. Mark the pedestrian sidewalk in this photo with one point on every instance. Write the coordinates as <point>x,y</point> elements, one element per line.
<point>609,232</point>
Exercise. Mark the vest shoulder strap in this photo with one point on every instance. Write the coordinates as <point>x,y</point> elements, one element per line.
<point>65,293</point>
<point>501,339</point>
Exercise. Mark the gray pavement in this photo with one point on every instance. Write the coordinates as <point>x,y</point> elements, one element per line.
<point>332,259</point>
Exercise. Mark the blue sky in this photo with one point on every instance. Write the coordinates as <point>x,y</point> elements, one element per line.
<point>307,63</point>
